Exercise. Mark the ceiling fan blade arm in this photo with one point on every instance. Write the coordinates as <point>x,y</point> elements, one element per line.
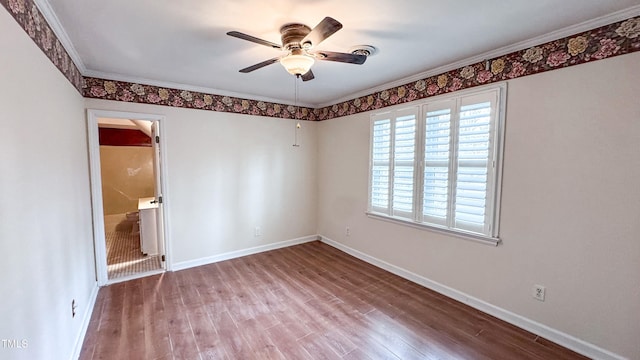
<point>259,65</point>
<point>254,39</point>
<point>327,27</point>
<point>341,57</point>
<point>308,76</point>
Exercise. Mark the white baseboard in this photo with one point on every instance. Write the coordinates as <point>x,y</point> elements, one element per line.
<point>239,253</point>
<point>566,340</point>
<point>86,318</point>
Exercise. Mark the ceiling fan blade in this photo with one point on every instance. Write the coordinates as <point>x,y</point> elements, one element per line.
<point>308,76</point>
<point>260,65</point>
<point>341,57</point>
<point>327,27</point>
<point>254,39</point>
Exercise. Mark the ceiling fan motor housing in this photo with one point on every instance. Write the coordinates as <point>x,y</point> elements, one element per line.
<point>292,34</point>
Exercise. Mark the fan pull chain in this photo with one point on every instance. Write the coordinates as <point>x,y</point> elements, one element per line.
<point>295,114</point>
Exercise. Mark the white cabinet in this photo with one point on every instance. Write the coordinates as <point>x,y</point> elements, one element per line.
<point>148,230</point>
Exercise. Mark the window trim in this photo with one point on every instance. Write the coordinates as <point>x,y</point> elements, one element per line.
<point>498,133</point>
<point>494,241</point>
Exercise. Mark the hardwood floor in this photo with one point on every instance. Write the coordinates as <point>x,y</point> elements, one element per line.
<point>309,301</point>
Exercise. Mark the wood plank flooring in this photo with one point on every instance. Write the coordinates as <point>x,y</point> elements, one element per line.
<point>309,301</point>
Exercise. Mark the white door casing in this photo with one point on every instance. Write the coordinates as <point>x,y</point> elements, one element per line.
<point>96,186</point>
<point>156,141</point>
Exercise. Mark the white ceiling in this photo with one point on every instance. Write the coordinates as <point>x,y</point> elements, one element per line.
<point>183,44</point>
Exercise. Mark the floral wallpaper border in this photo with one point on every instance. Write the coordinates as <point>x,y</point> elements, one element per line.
<point>619,38</point>
<point>27,14</point>
<point>149,94</point>
<point>604,42</point>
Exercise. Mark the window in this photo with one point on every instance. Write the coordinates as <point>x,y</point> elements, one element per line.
<point>393,162</point>
<point>437,164</point>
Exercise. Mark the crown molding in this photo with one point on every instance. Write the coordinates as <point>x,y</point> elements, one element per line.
<point>552,36</point>
<point>52,19</point>
<point>179,86</point>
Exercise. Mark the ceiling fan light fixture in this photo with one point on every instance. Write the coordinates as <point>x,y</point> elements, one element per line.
<point>297,64</point>
<point>297,41</point>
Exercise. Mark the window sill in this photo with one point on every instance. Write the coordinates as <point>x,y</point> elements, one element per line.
<point>457,233</point>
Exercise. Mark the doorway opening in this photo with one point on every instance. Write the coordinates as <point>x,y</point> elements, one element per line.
<point>127,193</point>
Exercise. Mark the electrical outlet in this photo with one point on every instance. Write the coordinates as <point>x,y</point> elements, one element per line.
<point>347,231</point>
<point>73,308</point>
<point>538,292</point>
<point>258,231</point>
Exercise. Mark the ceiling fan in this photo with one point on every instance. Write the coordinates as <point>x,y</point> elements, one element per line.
<point>299,40</point>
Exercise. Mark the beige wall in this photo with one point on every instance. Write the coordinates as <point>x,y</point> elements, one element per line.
<point>127,175</point>
<point>227,174</point>
<point>570,206</point>
<point>45,207</point>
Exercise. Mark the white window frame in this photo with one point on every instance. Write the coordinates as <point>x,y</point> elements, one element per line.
<point>490,232</point>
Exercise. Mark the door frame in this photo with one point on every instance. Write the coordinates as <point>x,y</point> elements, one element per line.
<point>100,247</point>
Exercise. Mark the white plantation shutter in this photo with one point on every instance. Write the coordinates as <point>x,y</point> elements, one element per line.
<point>403,165</point>
<point>393,148</point>
<point>437,151</point>
<point>472,168</point>
<point>438,165</point>
<point>380,167</point>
